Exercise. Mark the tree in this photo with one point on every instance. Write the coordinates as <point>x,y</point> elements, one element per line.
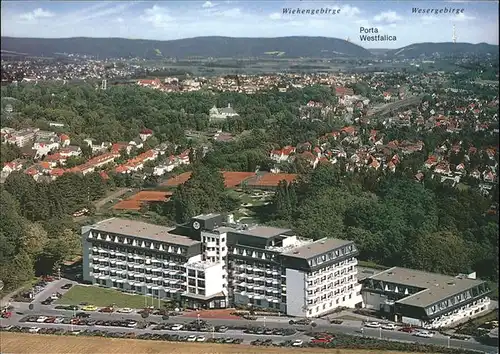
<point>18,271</point>
<point>439,252</point>
<point>34,240</point>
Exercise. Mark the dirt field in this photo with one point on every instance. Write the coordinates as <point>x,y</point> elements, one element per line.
<point>22,343</point>
<point>136,200</point>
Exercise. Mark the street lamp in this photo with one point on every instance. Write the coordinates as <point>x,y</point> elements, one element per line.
<point>198,319</point>
<point>264,321</point>
<point>448,341</point>
<point>380,332</point>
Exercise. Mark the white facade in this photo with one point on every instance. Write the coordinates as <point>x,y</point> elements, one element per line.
<point>424,299</point>
<point>321,291</point>
<point>218,267</point>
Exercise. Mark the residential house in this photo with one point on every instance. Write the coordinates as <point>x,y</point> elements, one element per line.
<point>282,155</point>
<point>217,114</point>
<point>145,134</point>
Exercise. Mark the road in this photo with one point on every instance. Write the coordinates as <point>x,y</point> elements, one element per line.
<point>117,194</point>
<point>347,327</point>
<point>386,108</point>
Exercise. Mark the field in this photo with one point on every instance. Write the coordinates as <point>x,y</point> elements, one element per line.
<point>231,179</point>
<point>22,343</point>
<point>101,297</point>
<point>135,202</point>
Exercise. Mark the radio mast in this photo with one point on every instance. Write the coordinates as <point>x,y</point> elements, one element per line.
<point>454,37</point>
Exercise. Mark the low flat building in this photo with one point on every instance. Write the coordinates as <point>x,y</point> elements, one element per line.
<point>425,299</point>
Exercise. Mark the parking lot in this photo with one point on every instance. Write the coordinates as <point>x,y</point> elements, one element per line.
<point>196,330</point>
<point>111,321</point>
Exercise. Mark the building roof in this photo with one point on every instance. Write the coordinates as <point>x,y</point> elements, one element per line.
<point>317,248</point>
<point>436,286</point>
<point>139,229</point>
<point>263,231</point>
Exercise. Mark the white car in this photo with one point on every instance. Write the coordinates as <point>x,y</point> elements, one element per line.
<point>297,343</point>
<point>131,324</point>
<point>424,334</point>
<point>59,320</point>
<point>34,329</point>
<point>125,310</point>
<point>200,339</point>
<point>191,338</point>
<point>41,319</point>
<point>372,324</point>
<point>76,332</point>
<point>388,326</point>
<point>176,327</point>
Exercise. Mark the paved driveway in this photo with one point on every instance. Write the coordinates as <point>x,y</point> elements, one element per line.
<point>346,328</point>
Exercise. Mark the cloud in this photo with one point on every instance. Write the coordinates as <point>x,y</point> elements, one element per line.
<point>36,14</point>
<point>157,16</point>
<point>275,16</point>
<point>236,12</point>
<point>463,17</point>
<point>429,19</point>
<point>349,11</point>
<point>388,17</point>
<point>93,12</point>
<point>208,4</point>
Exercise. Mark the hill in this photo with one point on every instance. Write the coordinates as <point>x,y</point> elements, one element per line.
<point>442,49</point>
<point>205,47</point>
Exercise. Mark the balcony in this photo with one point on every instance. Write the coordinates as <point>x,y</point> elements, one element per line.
<point>211,244</point>
<point>211,253</point>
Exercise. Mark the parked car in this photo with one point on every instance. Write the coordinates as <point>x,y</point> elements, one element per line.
<point>176,327</point>
<point>298,343</point>
<point>125,310</point>
<point>408,329</point>
<point>107,309</point>
<point>89,308</point>
<point>66,286</point>
<point>83,315</point>
<point>47,301</point>
<point>34,329</point>
<point>221,329</point>
<point>6,314</point>
<point>301,322</point>
<point>372,324</point>
<point>424,334</point>
<point>320,340</point>
<point>41,319</point>
<point>191,338</point>
<point>388,326</point>
<point>201,339</point>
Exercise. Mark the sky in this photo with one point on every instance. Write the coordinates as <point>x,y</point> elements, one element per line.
<point>165,20</point>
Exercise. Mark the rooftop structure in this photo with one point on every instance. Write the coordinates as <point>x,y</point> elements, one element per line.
<point>316,248</point>
<point>143,230</point>
<point>434,286</point>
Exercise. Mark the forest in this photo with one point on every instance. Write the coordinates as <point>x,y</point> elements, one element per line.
<point>393,219</point>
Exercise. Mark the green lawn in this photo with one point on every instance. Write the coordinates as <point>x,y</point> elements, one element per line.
<point>105,297</point>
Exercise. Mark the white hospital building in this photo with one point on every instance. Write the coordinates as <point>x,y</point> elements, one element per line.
<point>215,263</point>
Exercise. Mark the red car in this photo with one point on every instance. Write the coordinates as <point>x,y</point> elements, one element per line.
<point>50,320</point>
<point>47,278</point>
<point>320,340</point>
<point>6,314</point>
<point>407,329</point>
<point>107,309</point>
